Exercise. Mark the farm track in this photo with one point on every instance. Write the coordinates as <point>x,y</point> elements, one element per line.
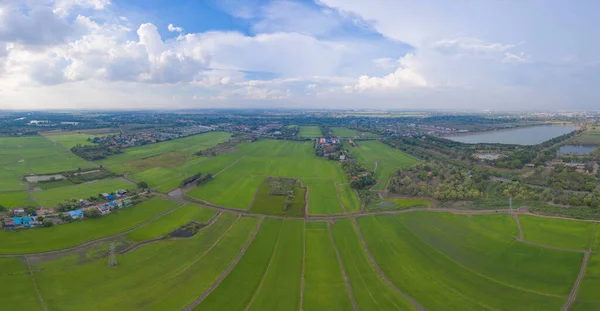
<point>227,271</point>
<point>230,165</point>
<point>575,288</point>
<point>516,217</point>
<point>37,290</point>
<point>380,272</point>
<point>266,270</point>
<point>337,191</point>
<point>303,265</point>
<point>346,280</point>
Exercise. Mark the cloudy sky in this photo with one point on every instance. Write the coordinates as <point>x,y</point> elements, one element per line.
<point>131,54</point>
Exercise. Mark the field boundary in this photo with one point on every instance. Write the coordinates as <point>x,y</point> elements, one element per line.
<point>225,273</point>
<point>337,191</point>
<point>266,270</point>
<point>577,284</point>
<point>346,280</point>
<point>37,290</point>
<point>380,272</point>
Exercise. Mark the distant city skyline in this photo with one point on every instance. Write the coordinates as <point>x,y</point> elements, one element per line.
<point>338,54</point>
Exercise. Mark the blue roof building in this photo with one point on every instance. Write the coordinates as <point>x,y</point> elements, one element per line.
<point>111,197</point>
<point>76,214</point>
<point>17,221</point>
<point>27,221</point>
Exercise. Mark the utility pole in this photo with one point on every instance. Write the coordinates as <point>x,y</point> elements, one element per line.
<point>112,259</point>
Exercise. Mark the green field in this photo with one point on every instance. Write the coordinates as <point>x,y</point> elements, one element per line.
<point>172,221</point>
<point>349,198</point>
<point>17,287</point>
<point>344,132</point>
<point>588,292</point>
<point>322,197</point>
<point>310,131</point>
<point>563,233</point>
<point>69,235</point>
<point>52,197</point>
<point>16,199</point>
<point>267,204</point>
<point>324,285</point>
<point>235,187</point>
<point>399,204</point>
<point>71,140</point>
<point>388,159</point>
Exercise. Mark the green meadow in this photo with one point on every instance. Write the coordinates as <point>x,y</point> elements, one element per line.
<point>571,234</point>
<point>344,132</point>
<point>71,140</point>
<point>310,131</point>
<point>375,155</point>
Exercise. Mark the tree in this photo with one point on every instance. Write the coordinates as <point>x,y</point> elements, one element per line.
<point>47,223</point>
<point>92,213</point>
<point>142,185</point>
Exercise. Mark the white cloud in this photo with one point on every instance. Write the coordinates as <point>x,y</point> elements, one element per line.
<point>172,28</point>
<point>406,76</point>
<point>516,58</point>
<point>471,46</point>
<point>290,16</point>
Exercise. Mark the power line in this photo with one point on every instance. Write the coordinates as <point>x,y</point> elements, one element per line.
<point>112,259</point>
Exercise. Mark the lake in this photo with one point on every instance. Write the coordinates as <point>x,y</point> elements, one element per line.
<point>576,150</point>
<point>531,135</point>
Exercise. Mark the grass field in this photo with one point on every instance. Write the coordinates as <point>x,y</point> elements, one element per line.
<point>324,285</point>
<point>68,235</point>
<point>349,198</point>
<point>399,204</point>
<point>369,289</point>
<point>172,221</point>
<point>344,132</point>
<point>237,289</point>
<point>17,287</point>
<point>267,204</point>
<point>420,269</point>
<point>588,292</point>
<point>16,199</point>
<point>310,131</point>
<point>180,270</point>
<point>322,197</point>
<point>71,140</point>
<point>280,289</point>
<point>52,197</point>
<point>563,233</point>
<point>388,159</point>
<point>235,187</point>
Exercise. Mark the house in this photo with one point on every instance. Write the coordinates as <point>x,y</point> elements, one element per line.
<point>27,221</point>
<point>111,197</point>
<point>17,221</point>
<point>76,214</point>
<point>127,203</point>
<point>342,157</point>
<point>8,222</point>
<point>104,209</point>
<point>105,195</point>
<point>121,192</point>
<point>19,211</point>
<point>322,141</point>
<point>530,165</point>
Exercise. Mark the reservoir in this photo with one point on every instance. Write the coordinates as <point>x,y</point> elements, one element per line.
<point>532,135</point>
<point>576,150</point>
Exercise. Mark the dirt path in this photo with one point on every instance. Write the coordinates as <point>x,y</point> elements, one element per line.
<point>337,191</point>
<point>575,288</point>
<point>226,272</point>
<point>35,286</point>
<point>380,272</point>
<point>337,252</point>
<point>516,217</point>
<point>266,271</point>
<point>303,269</point>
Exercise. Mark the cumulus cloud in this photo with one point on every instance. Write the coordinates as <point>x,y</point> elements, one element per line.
<point>471,46</point>
<point>405,76</point>
<point>516,58</point>
<point>37,26</point>
<point>172,28</point>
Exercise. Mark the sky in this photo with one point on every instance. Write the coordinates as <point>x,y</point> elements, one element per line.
<point>331,54</point>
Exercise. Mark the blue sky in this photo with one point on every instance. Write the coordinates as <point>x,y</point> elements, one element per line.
<point>384,54</point>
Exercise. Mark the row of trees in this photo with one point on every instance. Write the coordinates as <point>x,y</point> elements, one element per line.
<point>556,195</point>
<point>93,153</point>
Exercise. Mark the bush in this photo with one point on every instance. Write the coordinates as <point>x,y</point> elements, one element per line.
<point>142,185</point>
<point>92,213</point>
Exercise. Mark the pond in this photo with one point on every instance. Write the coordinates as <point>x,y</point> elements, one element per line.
<point>531,135</point>
<point>576,150</point>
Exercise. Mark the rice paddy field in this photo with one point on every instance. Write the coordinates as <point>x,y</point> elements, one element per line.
<point>71,140</point>
<point>344,132</point>
<point>310,131</point>
<point>375,155</point>
<point>52,197</point>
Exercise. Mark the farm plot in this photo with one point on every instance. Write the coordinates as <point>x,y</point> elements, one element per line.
<point>349,198</point>
<point>16,199</point>
<point>268,203</point>
<point>310,131</point>
<point>399,204</point>
<point>420,269</point>
<point>71,140</point>
<point>17,287</point>
<point>571,234</point>
<point>368,287</point>
<point>166,275</point>
<point>587,299</point>
<point>344,132</point>
<point>324,284</point>
<point>69,235</point>
<point>387,158</point>
<point>494,254</point>
<point>322,197</point>
<point>54,196</point>
<point>237,289</point>
<point>172,221</point>
<point>280,289</point>
<point>235,187</point>
<point>58,163</point>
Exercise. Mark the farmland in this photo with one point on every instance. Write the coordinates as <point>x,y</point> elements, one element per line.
<point>71,140</point>
<point>377,156</point>
<point>310,131</point>
<point>344,132</point>
<point>557,232</point>
<point>52,197</point>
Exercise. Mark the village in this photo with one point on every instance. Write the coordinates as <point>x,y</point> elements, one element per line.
<point>127,140</point>
<point>23,218</point>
